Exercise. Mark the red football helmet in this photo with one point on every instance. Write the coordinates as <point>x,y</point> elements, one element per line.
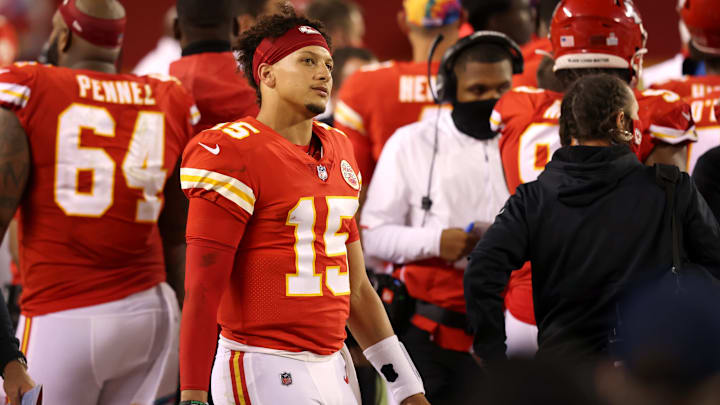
<point>598,34</point>
<point>702,18</point>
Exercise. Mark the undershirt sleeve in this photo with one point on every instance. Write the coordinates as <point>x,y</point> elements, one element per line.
<point>213,234</point>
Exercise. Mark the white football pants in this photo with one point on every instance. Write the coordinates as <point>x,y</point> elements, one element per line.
<point>252,378</point>
<point>117,353</point>
<point>521,337</point>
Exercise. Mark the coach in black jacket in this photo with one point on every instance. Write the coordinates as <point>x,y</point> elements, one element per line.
<point>592,223</point>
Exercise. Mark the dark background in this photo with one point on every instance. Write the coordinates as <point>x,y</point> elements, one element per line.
<point>382,35</point>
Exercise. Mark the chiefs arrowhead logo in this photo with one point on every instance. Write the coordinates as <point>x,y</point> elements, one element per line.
<point>308,30</point>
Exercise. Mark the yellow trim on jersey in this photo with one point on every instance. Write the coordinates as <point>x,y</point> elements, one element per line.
<point>229,187</point>
<point>348,117</point>
<point>194,115</point>
<point>14,93</point>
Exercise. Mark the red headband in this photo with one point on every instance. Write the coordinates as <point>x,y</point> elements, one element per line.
<point>98,31</point>
<point>270,51</point>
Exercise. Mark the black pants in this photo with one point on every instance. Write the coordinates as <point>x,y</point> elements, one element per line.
<point>450,377</point>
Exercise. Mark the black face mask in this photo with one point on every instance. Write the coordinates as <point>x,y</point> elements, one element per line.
<point>473,118</point>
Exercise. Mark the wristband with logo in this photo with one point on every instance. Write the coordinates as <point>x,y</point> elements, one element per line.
<point>392,361</point>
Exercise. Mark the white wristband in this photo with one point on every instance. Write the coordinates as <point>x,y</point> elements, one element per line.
<point>392,361</point>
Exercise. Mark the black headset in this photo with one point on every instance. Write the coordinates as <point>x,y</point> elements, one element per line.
<point>445,87</point>
<point>446,82</point>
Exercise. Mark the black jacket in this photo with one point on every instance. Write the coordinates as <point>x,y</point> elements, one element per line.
<point>707,178</point>
<point>590,225</point>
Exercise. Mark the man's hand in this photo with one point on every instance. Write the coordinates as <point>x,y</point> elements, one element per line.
<point>17,382</point>
<point>455,243</point>
<point>417,399</point>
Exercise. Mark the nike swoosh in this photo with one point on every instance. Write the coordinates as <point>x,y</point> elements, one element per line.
<point>214,150</point>
<point>686,116</point>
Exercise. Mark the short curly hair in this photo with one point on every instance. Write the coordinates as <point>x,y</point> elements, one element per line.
<point>273,26</point>
<point>590,106</point>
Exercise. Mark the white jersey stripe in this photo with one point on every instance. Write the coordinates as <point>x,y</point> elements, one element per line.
<point>229,187</point>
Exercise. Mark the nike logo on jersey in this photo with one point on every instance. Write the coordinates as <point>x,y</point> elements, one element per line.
<point>686,116</point>
<point>214,150</point>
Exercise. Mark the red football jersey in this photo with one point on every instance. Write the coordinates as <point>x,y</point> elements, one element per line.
<point>289,288</point>
<point>532,61</point>
<point>220,90</point>
<point>702,92</point>
<point>691,86</point>
<point>528,120</point>
<point>377,100</point>
<point>102,146</point>
<point>704,112</point>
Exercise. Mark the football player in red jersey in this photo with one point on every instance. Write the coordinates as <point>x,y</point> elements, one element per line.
<point>208,68</point>
<point>400,88</point>
<point>700,17</point>
<point>273,251</point>
<point>587,37</point>
<point>86,155</point>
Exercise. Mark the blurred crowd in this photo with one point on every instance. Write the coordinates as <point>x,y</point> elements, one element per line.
<point>446,140</point>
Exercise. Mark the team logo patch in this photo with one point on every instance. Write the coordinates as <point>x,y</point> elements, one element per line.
<point>285,378</point>
<point>389,372</point>
<point>322,172</point>
<point>308,30</point>
<point>349,175</point>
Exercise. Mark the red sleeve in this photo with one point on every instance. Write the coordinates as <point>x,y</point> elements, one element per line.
<point>353,234</point>
<point>666,117</point>
<point>213,234</point>
<point>17,82</point>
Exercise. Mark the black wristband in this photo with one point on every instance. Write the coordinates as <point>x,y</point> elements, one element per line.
<point>192,402</point>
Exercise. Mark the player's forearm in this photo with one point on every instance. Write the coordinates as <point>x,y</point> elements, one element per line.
<point>401,244</point>
<point>208,271</point>
<point>368,320</point>
<point>14,166</point>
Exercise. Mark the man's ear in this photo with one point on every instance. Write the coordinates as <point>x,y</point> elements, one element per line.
<point>266,75</point>
<point>177,32</point>
<point>244,22</point>
<point>402,22</point>
<point>620,120</point>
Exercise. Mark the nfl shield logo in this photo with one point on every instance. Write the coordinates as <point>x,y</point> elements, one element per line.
<point>322,172</point>
<point>285,378</point>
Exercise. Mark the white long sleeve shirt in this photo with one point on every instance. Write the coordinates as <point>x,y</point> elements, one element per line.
<point>468,185</point>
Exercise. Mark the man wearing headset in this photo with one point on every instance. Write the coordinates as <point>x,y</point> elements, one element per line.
<point>439,182</point>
